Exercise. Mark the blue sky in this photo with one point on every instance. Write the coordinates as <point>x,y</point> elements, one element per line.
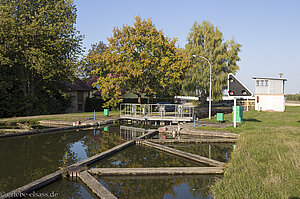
<point>269,30</point>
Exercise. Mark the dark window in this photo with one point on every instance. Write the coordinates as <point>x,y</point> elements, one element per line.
<point>80,96</point>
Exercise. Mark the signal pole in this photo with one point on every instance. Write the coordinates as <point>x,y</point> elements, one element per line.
<point>234,113</point>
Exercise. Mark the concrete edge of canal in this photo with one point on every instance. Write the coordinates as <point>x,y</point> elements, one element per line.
<point>65,128</point>
<point>156,171</point>
<point>95,186</point>
<point>193,157</point>
<point>222,140</point>
<point>35,185</point>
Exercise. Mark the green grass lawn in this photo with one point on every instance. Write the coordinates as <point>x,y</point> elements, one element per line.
<point>266,162</point>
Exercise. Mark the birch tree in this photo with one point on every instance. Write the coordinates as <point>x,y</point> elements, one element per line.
<point>207,40</point>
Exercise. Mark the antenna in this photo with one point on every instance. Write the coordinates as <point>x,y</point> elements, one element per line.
<point>280,75</point>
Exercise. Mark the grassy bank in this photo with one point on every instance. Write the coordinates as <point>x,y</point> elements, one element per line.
<point>62,117</point>
<point>266,162</point>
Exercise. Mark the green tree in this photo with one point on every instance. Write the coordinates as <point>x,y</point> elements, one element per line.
<point>38,51</point>
<point>139,59</point>
<point>207,40</point>
<point>86,66</point>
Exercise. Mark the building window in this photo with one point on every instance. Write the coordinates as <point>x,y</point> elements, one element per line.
<point>257,82</point>
<point>262,82</point>
<point>80,96</point>
<point>266,82</point>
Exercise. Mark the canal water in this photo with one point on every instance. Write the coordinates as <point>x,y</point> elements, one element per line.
<point>143,157</point>
<point>151,187</point>
<point>215,151</point>
<point>27,158</point>
<point>154,187</point>
<point>67,189</point>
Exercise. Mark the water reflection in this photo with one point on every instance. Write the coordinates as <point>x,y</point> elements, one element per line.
<point>160,186</point>
<point>27,158</point>
<point>141,157</point>
<point>220,152</point>
<point>130,132</point>
<point>68,189</point>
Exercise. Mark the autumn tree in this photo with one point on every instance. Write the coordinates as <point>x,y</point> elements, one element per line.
<point>38,51</point>
<point>139,59</point>
<point>207,40</point>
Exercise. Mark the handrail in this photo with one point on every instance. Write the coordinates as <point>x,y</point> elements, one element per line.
<point>161,111</point>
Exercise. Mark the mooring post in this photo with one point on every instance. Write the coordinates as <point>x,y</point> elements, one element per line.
<point>209,151</point>
<point>94,114</point>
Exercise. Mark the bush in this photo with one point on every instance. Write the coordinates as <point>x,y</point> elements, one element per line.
<point>93,104</point>
<point>295,97</point>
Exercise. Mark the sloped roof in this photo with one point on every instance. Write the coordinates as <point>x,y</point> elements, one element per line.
<point>97,93</point>
<point>91,81</point>
<point>78,85</point>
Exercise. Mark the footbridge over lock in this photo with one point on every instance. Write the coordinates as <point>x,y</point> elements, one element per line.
<point>157,112</point>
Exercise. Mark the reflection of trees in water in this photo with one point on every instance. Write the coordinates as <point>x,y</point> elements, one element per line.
<point>100,143</point>
<point>220,152</point>
<point>139,157</point>
<point>142,188</point>
<point>201,187</point>
<point>158,186</point>
<point>29,158</point>
<point>5,183</point>
<point>67,189</point>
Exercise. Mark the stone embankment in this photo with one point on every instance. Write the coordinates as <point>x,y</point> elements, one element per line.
<point>189,129</point>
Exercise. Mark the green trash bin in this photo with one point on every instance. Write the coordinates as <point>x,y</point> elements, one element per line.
<point>106,112</point>
<point>106,129</point>
<point>220,117</point>
<point>239,114</point>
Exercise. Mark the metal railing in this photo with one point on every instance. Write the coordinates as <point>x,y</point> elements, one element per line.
<point>148,111</point>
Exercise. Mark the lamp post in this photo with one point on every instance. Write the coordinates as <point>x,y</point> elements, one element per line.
<point>209,111</point>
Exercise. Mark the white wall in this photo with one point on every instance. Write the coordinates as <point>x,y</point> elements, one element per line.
<point>276,87</point>
<point>270,103</point>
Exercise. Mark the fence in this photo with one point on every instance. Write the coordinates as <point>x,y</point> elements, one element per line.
<point>176,112</point>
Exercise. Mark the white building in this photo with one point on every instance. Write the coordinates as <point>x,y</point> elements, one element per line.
<point>269,94</point>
